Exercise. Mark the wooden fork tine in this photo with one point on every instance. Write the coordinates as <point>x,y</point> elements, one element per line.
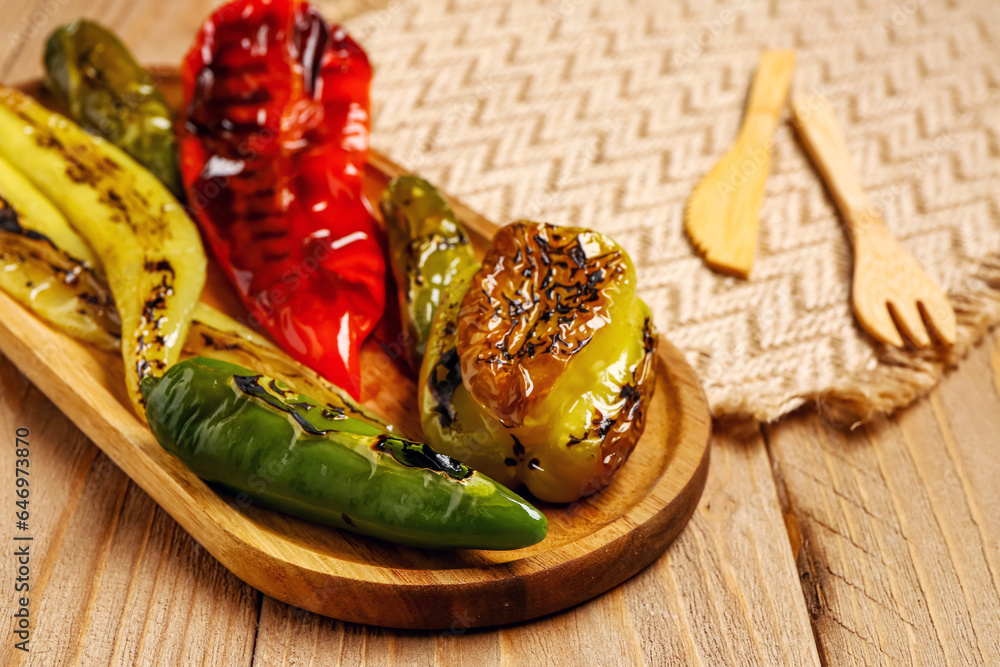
<point>939,315</point>
<point>911,325</point>
<point>876,319</point>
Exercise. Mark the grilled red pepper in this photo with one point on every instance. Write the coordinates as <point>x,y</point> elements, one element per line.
<point>274,142</point>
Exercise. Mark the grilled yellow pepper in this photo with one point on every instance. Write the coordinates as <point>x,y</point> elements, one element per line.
<point>539,367</point>
<point>149,249</point>
<point>70,294</point>
<point>451,420</point>
<point>46,266</point>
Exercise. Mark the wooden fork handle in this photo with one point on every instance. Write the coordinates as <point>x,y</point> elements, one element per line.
<point>817,126</point>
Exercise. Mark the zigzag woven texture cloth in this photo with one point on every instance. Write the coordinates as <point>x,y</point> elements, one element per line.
<point>605,114</point>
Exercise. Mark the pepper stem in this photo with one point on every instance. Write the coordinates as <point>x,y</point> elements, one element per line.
<point>147,385</point>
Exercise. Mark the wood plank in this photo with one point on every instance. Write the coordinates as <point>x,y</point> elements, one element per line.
<point>734,568</point>
<point>58,474</point>
<point>726,592</point>
<point>670,606</point>
<point>113,577</point>
<point>900,554</point>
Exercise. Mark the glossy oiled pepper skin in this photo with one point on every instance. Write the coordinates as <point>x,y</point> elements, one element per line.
<point>251,435</point>
<point>428,247</point>
<point>96,81</point>
<point>449,417</point>
<point>543,362</point>
<point>274,143</point>
<point>47,267</point>
<point>148,248</point>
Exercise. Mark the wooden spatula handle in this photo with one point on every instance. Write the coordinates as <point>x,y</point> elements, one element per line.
<point>771,83</point>
<point>818,128</point>
<point>723,213</point>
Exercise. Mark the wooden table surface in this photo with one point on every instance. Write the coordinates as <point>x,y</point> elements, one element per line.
<point>812,544</point>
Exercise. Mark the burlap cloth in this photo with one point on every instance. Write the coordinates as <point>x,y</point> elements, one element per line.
<point>604,114</point>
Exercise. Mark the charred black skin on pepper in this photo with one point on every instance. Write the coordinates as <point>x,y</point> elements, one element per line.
<point>47,267</point>
<point>129,221</point>
<point>233,428</point>
<point>556,358</point>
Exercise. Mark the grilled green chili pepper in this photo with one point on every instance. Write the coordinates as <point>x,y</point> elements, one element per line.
<point>98,83</point>
<point>216,335</point>
<point>540,364</point>
<point>428,246</point>
<point>251,434</point>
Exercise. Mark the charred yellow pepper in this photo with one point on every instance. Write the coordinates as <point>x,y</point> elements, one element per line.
<point>51,270</point>
<point>148,248</point>
<point>451,420</point>
<point>46,266</point>
<point>539,367</point>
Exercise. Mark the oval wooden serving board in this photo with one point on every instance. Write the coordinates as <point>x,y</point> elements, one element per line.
<point>592,545</point>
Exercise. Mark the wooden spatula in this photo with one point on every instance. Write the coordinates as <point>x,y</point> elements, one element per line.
<point>723,213</point>
<point>892,294</point>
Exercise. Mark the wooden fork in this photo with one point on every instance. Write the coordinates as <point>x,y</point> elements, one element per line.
<point>892,294</point>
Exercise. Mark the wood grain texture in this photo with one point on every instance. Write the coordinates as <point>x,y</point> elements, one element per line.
<point>660,628</point>
<point>113,578</point>
<point>597,542</point>
<point>900,555</point>
<point>726,592</point>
